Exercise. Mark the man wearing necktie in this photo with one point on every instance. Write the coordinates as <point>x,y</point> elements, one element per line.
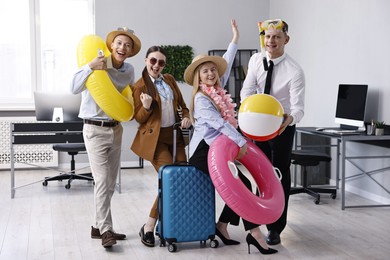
<point>284,79</point>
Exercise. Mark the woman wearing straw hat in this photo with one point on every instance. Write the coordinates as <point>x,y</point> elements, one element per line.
<point>102,134</point>
<point>212,112</point>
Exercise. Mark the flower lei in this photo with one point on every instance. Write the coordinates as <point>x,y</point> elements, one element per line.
<point>223,101</point>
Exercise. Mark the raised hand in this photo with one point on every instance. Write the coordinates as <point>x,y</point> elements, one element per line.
<point>236,33</point>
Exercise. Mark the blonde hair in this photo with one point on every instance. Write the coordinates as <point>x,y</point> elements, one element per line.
<point>196,89</point>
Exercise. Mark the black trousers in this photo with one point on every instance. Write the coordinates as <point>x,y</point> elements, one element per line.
<point>199,160</point>
<point>278,151</point>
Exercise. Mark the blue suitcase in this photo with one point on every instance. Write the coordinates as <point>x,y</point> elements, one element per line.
<point>186,206</point>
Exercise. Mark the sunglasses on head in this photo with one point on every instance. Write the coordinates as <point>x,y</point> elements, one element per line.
<point>153,61</point>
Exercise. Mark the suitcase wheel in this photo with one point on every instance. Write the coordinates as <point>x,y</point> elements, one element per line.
<point>172,248</point>
<point>162,242</point>
<point>214,243</point>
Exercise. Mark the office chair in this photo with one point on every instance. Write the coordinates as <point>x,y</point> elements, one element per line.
<point>306,158</point>
<point>72,149</point>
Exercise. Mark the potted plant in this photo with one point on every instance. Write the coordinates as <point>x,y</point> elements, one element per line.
<point>379,127</point>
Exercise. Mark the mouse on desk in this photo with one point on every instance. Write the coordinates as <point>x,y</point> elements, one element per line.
<point>320,129</point>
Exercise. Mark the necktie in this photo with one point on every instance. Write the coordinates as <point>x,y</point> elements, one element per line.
<point>269,77</point>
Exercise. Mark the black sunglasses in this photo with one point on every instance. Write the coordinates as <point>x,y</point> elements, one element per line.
<point>153,61</point>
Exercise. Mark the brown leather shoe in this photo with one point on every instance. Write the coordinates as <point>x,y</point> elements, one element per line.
<point>108,239</point>
<point>95,233</point>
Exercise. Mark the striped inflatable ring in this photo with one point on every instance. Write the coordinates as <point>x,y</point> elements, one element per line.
<point>117,105</point>
<point>263,209</point>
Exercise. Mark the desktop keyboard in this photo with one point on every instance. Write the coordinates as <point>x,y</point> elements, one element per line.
<point>342,131</point>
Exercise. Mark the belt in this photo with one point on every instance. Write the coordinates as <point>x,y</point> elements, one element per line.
<point>101,122</point>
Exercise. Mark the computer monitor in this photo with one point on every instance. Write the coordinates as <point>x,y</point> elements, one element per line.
<point>64,106</point>
<point>351,105</point>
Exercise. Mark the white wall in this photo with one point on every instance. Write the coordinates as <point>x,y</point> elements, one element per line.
<point>339,42</point>
<point>334,41</point>
<point>202,24</point>
<point>343,42</point>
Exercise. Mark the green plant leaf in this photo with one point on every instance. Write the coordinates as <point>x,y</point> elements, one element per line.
<point>178,59</point>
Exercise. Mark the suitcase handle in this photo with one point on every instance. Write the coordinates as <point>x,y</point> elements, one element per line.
<point>176,126</point>
<point>181,164</point>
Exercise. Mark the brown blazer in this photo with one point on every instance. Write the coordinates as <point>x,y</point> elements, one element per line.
<point>145,141</point>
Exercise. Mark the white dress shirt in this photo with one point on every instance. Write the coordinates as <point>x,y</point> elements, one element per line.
<point>288,83</point>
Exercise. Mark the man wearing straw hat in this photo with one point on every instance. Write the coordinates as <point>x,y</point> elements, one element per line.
<point>102,134</point>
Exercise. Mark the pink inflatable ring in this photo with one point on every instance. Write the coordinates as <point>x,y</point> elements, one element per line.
<point>263,209</point>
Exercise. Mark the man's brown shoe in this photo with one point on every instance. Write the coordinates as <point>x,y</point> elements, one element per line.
<point>95,233</point>
<point>108,239</point>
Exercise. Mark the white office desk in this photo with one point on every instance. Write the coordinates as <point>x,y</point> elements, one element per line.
<point>343,157</point>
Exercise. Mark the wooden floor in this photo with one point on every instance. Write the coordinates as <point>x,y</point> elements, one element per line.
<point>54,223</point>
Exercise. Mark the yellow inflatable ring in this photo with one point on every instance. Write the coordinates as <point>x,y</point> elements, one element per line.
<point>117,105</point>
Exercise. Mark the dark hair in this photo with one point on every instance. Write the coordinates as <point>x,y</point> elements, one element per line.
<point>145,75</point>
<point>156,49</point>
<point>285,27</point>
<point>149,84</point>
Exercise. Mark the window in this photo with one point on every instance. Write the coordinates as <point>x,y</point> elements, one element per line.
<point>38,47</point>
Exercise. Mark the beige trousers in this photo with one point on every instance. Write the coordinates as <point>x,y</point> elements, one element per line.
<point>103,146</point>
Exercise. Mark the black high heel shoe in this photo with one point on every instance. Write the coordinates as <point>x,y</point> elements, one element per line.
<point>228,242</point>
<point>252,241</point>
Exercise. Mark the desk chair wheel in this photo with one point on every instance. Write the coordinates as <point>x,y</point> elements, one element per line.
<point>44,183</point>
<point>333,196</point>
<point>67,186</point>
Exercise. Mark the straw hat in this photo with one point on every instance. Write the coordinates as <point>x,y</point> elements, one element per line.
<point>124,31</point>
<point>198,60</point>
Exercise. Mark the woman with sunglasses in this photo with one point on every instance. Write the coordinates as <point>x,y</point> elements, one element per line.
<point>156,99</point>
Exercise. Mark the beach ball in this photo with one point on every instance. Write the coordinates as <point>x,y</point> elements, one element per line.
<point>260,117</point>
